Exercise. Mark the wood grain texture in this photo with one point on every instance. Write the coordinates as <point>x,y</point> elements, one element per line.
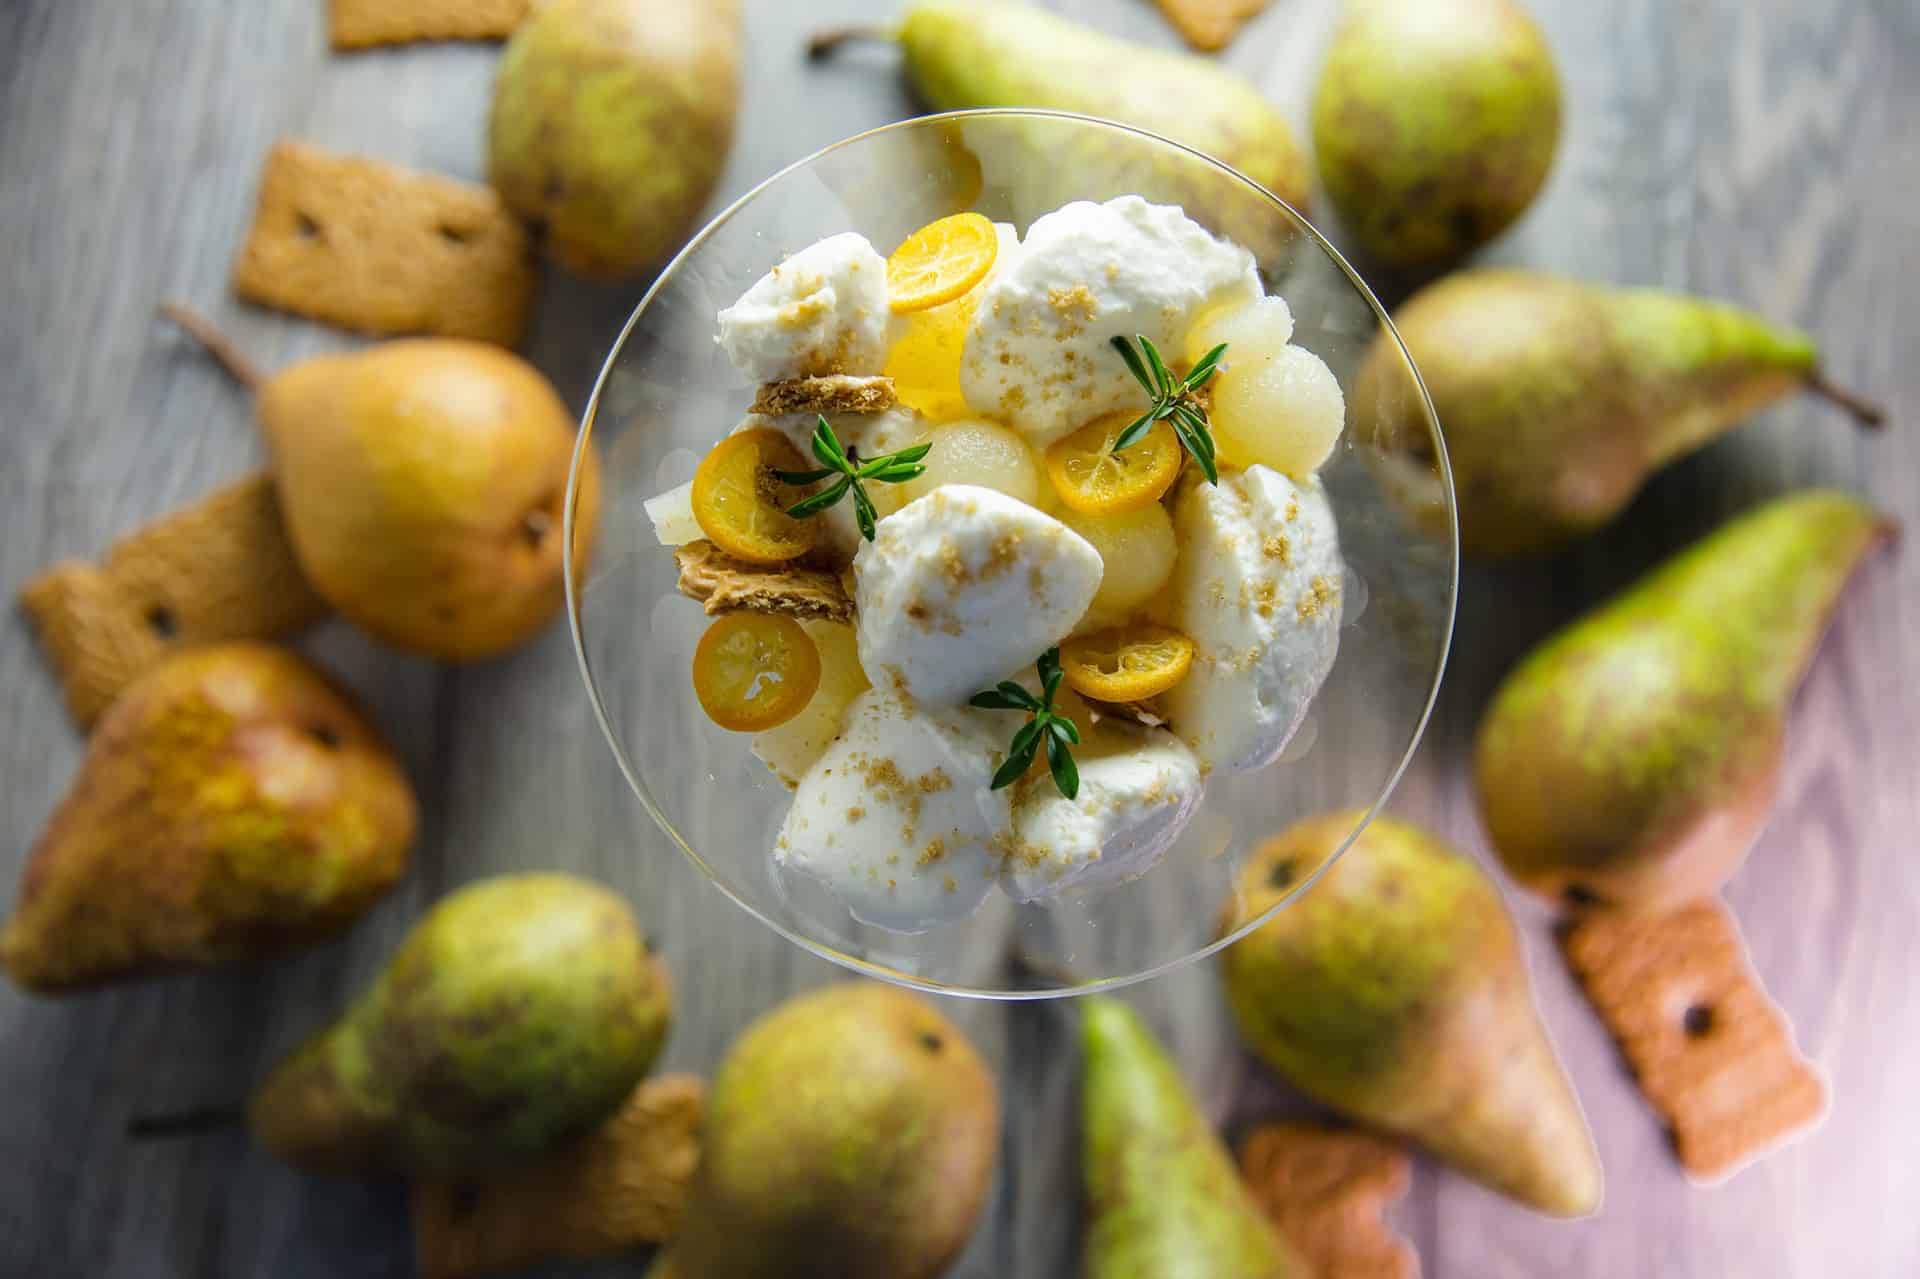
<point>1765,150</point>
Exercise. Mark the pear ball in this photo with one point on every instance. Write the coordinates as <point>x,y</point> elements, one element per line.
<point>1137,550</point>
<point>1274,404</point>
<point>982,453</point>
<point>1435,124</point>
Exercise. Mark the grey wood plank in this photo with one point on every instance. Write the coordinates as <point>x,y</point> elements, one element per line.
<point>1757,150</point>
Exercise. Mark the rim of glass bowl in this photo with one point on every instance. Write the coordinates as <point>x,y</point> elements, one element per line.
<point>881,971</point>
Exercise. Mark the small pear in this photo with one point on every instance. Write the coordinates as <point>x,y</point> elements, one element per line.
<point>423,483</point>
<point>996,53</point>
<point>232,800</point>
<point>519,1013</point>
<point>1632,759</point>
<point>1434,123</point>
<point>1164,1199</point>
<point>1394,990</point>
<point>611,123</point>
<point>850,1134</point>
<point>1558,399</point>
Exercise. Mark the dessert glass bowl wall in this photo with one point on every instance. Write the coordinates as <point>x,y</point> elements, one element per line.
<point>667,393</point>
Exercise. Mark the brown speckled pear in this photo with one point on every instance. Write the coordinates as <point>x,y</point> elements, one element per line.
<point>1558,399</point>
<point>423,483</point>
<point>518,1014</point>
<point>850,1134</point>
<point>1164,1200</point>
<point>1394,990</point>
<point>232,800</point>
<point>1633,758</point>
<point>611,122</point>
<point>1434,123</point>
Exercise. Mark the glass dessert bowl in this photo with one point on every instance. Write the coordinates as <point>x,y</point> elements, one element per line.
<point>881,521</point>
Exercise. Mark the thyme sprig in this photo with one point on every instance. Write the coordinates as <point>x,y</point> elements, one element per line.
<point>1044,725</point>
<point>890,468</point>
<point>1173,399</point>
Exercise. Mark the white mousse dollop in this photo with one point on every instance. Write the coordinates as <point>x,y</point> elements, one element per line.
<point>964,587</point>
<point>898,817</point>
<point>1038,353</point>
<point>1258,590</point>
<point>823,310</point>
<point>1138,790</point>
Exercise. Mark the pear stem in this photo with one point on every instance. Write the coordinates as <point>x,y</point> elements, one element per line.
<point>1863,411</point>
<point>825,43</point>
<point>185,1123</point>
<point>217,344</point>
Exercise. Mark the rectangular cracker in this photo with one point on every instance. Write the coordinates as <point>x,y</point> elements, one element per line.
<point>221,569</point>
<point>832,393</point>
<point>1209,25</point>
<point>1708,1048</point>
<point>362,24</point>
<point>1325,1190</point>
<point>380,249</point>
<point>726,585</point>
<point>619,1187</point>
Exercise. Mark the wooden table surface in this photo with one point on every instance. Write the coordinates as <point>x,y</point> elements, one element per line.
<point>1763,150</point>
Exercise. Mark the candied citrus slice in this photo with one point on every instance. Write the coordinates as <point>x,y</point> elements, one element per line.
<point>742,508</point>
<point>752,671</point>
<point>1126,663</point>
<point>941,261</point>
<point>1089,476</point>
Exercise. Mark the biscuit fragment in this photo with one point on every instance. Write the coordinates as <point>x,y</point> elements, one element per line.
<point>832,393</point>
<point>1710,1051</point>
<point>1325,1190</point>
<point>380,249</point>
<point>1209,25</point>
<point>619,1187</point>
<point>221,569</point>
<point>727,585</point>
<point>362,24</point>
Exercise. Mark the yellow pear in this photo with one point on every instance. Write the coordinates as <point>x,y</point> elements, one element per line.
<point>231,800</point>
<point>423,483</point>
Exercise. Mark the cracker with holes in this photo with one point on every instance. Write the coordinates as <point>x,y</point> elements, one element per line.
<point>1209,25</point>
<point>1325,1189</point>
<point>1709,1050</point>
<point>364,24</point>
<point>380,249</point>
<point>619,1187</point>
<point>724,584</point>
<point>221,569</point>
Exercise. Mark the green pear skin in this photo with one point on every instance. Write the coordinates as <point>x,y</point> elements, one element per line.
<point>1434,124</point>
<point>611,123</point>
<point>521,1011</point>
<point>1395,991</point>
<point>851,1134</point>
<point>1633,758</point>
<point>1558,398</point>
<point>1164,1200</point>
<point>232,801</point>
<point>962,54</point>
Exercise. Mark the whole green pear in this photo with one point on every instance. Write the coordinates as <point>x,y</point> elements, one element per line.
<point>1394,990</point>
<point>520,1012</point>
<point>611,123</point>
<point>1558,399</point>
<point>1434,123</point>
<point>1164,1200</point>
<point>962,54</point>
<point>232,800</point>
<point>850,1134</point>
<point>1632,759</point>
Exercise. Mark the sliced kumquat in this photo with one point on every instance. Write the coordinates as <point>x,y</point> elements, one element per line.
<point>752,671</point>
<point>941,261</point>
<point>742,507</point>
<point>1089,476</point>
<point>1126,663</point>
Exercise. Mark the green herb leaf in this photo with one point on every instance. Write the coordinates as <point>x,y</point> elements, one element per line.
<point>1066,774</point>
<point>802,477</point>
<point>889,468</point>
<point>1014,769</point>
<point>1173,400</point>
<point>1044,725</point>
<point>1065,729</point>
<point>819,501</point>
